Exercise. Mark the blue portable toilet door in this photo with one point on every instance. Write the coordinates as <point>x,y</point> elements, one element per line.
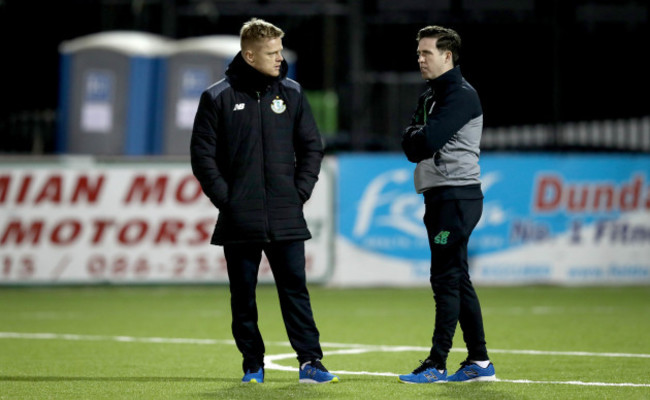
<point>97,120</point>
<point>188,75</point>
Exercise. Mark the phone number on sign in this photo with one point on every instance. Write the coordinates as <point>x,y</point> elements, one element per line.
<point>118,267</point>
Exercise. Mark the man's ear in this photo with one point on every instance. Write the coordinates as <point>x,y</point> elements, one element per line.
<point>249,56</point>
<point>449,56</point>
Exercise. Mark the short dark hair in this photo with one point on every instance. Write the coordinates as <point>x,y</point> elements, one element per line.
<point>448,39</point>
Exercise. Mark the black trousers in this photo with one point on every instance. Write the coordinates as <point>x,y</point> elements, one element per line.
<point>287,260</point>
<point>449,225</point>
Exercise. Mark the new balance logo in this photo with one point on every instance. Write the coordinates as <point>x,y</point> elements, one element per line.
<point>239,106</point>
<point>471,373</point>
<point>441,238</point>
<point>430,376</point>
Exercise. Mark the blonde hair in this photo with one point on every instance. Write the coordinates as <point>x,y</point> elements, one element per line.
<point>257,29</point>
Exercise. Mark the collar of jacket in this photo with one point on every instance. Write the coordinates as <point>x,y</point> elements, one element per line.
<point>449,77</point>
<point>243,76</point>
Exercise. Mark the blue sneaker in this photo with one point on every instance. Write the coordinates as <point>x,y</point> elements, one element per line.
<point>470,372</point>
<point>254,377</point>
<point>425,373</point>
<point>315,372</point>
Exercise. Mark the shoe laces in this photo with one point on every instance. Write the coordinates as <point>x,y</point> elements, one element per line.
<point>424,365</point>
<point>464,364</point>
<point>318,365</point>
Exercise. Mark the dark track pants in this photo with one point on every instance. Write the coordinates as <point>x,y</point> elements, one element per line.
<point>449,225</point>
<point>287,260</point>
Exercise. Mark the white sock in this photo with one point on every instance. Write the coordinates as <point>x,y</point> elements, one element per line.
<point>482,364</point>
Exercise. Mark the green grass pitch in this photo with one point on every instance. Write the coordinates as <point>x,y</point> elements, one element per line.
<point>175,343</point>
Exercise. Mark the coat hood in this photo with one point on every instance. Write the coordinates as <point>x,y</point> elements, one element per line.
<point>244,77</point>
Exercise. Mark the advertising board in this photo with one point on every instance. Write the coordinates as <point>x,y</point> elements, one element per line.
<point>569,219</point>
<point>86,222</point>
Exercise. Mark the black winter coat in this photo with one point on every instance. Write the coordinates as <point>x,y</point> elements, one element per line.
<point>256,151</point>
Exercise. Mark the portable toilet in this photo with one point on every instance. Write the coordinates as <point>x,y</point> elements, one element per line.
<point>108,89</point>
<point>193,64</point>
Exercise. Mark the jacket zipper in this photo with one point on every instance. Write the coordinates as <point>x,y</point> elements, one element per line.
<point>266,216</point>
<point>433,103</point>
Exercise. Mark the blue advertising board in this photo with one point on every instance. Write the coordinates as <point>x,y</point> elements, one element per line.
<point>554,216</point>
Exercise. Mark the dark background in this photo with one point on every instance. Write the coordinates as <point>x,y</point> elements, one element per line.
<point>532,61</point>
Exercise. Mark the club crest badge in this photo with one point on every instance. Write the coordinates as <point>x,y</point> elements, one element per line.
<point>278,105</point>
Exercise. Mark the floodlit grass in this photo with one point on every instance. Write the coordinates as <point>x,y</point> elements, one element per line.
<point>118,343</point>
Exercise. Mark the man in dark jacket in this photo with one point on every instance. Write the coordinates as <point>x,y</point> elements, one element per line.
<point>443,139</point>
<point>256,151</point>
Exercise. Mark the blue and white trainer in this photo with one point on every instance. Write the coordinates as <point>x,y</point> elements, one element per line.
<point>470,372</point>
<point>425,373</point>
<point>254,376</point>
<point>315,372</point>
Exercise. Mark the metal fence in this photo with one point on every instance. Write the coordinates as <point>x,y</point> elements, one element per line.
<point>388,101</point>
<point>34,132</point>
<point>608,135</point>
<point>28,132</point>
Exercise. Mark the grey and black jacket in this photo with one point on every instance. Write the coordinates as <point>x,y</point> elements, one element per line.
<point>444,136</point>
<point>256,152</point>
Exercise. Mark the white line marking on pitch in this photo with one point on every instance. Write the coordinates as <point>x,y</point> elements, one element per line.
<point>67,336</point>
<point>270,363</point>
<point>345,348</point>
<point>578,383</point>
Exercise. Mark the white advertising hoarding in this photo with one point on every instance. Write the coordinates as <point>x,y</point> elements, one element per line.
<point>87,222</point>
